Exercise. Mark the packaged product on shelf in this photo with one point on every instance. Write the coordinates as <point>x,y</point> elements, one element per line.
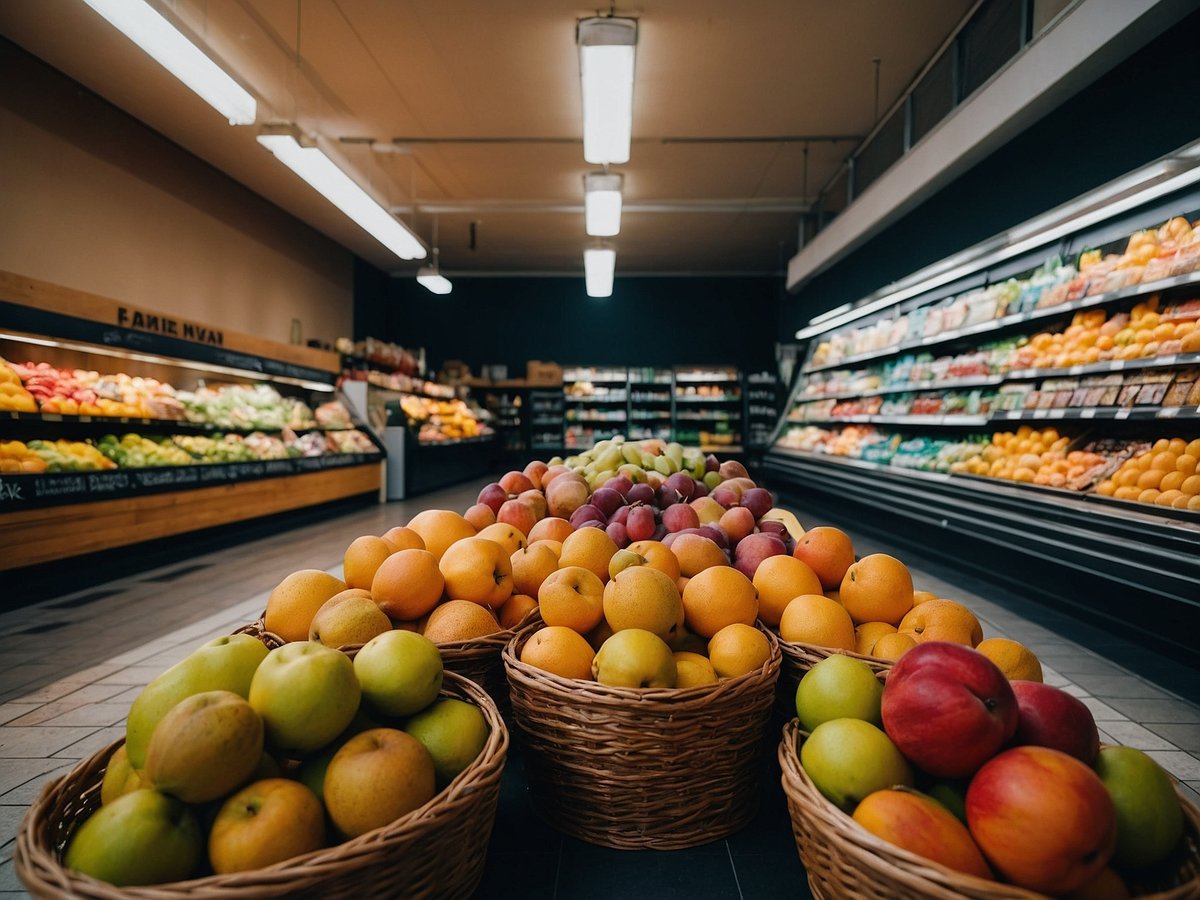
<point>1182,387</point>
<point>333,415</point>
<point>1012,396</point>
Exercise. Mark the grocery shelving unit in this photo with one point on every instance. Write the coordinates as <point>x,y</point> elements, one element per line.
<point>546,420</point>
<point>708,408</point>
<point>762,408</point>
<point>651,404</point>
<point>939,360</point>
<point>595,404</point>
<point>51,515</point>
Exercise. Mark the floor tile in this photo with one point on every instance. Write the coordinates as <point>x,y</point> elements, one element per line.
<point>97,715</point>
<point>597,873</point>
<point>519,876</point>
<point>95,741</point>
<point>28,792</point>
<point>38,741</point>
<point>1137,736</point>
<point>8,877</point>
<point>1124,686</point>
<point>1185,737</point>
<point>1102,712</point>
<point>1182,765</point>
<point>15,772</point>
<point>11,711</point>
<point>1175,712</point>
<point>10,820</point>
<point>767,876</point>
<point>139,674</point>
<point>85,696</point>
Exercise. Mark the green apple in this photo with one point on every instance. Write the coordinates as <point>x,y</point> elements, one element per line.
<point>1149,817</point>
<point>400,672</point>
<point>223,664</point>
<point>207,745</point>
<point>143,837</point>
<point>453,732</point>
<point>849,758</point>
<point>838,687</point>
<point>306,694</point>
<point>119,777</point>
<point>712,479</point>
<point>634,657</point>
<point>622,560</point>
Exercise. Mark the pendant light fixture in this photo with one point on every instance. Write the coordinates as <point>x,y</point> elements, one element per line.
<point>147,28</point>
<point>322,173</point>
<point>602,203</point>
<point>430,277</point>
<point>599,268</point>
<point>607,45</point>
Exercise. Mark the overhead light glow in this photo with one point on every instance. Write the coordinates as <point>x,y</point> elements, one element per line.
<point>311,164</point>
<point>606,55</point>
<point>602,204</point>
<point>143,25</point>
<point>434,281</point>
<point>599,267</point>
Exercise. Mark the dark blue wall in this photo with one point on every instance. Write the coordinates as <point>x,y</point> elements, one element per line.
<point>646,322</point>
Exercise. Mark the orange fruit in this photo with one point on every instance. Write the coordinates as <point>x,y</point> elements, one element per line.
<point>815,619</point>
<point>1015,660</point>
<point>480,516</point>
<point>514,609</point>
<point>893,646</point>
<point>1172,481</point>
<point>531,566</point>
<point>866,634</point>
<point>590,548</point>
<point>877,588</point>
<point>923,597</point>
<point>780,579</point>
<point>1151,478</point>
<point>560,651</point>
<point>554,547</point>
<point>942,620</point>
<point>439,528</point>
<point>550,528</point>
<point>1191,485</point>
<point>693,669</point>
<point>478,570</point>
<point>408,584</point>
<point>738,649</point>
<point>507,536</point>
<point>362,558</point>
<point>716,597</point>
<point>295,600</point>
<point>573,597</point>
<point>657,555</point>
<point>460,620</point>
<point>696,553</point>
<point>643,597</point>
<point>403,538</point>
<point>828,552</point>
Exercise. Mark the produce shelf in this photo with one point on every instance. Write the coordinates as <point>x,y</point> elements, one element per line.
<point>1115,413</point>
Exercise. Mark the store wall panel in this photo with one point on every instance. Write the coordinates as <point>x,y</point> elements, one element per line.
<point>94,200</point>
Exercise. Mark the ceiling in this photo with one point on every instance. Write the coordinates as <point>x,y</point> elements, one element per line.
<point>457,112</point>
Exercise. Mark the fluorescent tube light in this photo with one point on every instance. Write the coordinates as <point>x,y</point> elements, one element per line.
<point>433,280</point>
<point>602,204</point>
<point>149,30</point>
<point>599,267</point>
<point>606,55</point>
<point>311,164</point>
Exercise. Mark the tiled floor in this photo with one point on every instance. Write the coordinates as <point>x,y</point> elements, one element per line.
<point>74,662</point>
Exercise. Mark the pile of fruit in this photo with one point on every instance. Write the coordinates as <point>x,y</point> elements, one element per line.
<point>132,451</point>
<point>1165,475</point>
<point>17,459</point>
<point>1036,456</point>
<point>236,758</point>
<point>89,393</point>
<point>997,779</point>
<point>246,407</point>
<point>13,396</point>
<point>70,456</point>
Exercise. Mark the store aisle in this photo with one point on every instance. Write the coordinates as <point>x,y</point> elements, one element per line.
<point>80,659</point>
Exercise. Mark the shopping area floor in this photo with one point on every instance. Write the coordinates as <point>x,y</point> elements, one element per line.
<point>73,663</point>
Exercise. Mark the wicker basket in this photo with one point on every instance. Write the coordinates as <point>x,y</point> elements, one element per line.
<point>844,860</point>
<point>644,768</point>
<point>435,851</point>
<point>797,660</point>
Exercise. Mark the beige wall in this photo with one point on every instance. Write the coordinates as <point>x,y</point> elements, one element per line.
<point>92,199</point>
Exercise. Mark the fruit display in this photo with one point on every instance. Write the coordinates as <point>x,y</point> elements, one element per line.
<point>236,758</point>
<point>219,448</point>
<point>1164,474</point>
<point>89,393</point>
<point>246,407</point>
<point>13,395</point>
<point>70,456</point>
<point>133,451</point>
<point>1036,456</point>
<point>16,458</point>
<point>333,416</point>
<point>442,420</point>
<point>994,778</point>
<point>352,441</point>
<point>381,353</point>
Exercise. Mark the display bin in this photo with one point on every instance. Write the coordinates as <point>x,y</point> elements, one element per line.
<point>642,768</point>
<point>844,860</point>
<point>437,850</point>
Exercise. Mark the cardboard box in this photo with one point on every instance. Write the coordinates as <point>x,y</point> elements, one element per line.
<point>539,372</point>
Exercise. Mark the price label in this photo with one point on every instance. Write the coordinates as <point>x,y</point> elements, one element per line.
<point>1075,370</point>
<point>1040,413</point>
<point>1014,413</point>
<point>1169,413</point>
<point>1122,413</point>
<point>1089,413</point>
<point>1116,365</point>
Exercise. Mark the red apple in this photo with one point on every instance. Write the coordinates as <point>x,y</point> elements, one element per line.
<point>1050,717</point>
<point>753,549</point>
<point>518,514</point>
<point>1042,818</point>
<point>619,483</point>
<point>682,484</point>
<point>535,499</point>
<point>679,516</point>
<point>587,513</point>
<point>607,500</point>
<point>757,500</point>
<point>493,495</point>
<point>534,470</point>
<point>726,496</point>
<point>731,468</point>
<point>480,515</point>
<point>737,523</point>
<point>640,493</point>
<point>566,493</point>
<point>948,708</point>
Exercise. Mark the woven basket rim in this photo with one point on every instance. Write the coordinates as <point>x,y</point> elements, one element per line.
<point>491,758</point>
<point>587,688</point>
<point>800,789</point>
<point>796,649</point>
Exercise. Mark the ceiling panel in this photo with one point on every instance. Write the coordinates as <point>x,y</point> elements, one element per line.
<point>756,74</point>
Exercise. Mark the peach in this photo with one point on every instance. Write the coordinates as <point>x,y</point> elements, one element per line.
<point>518,514</point>
<point>514,482</point>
